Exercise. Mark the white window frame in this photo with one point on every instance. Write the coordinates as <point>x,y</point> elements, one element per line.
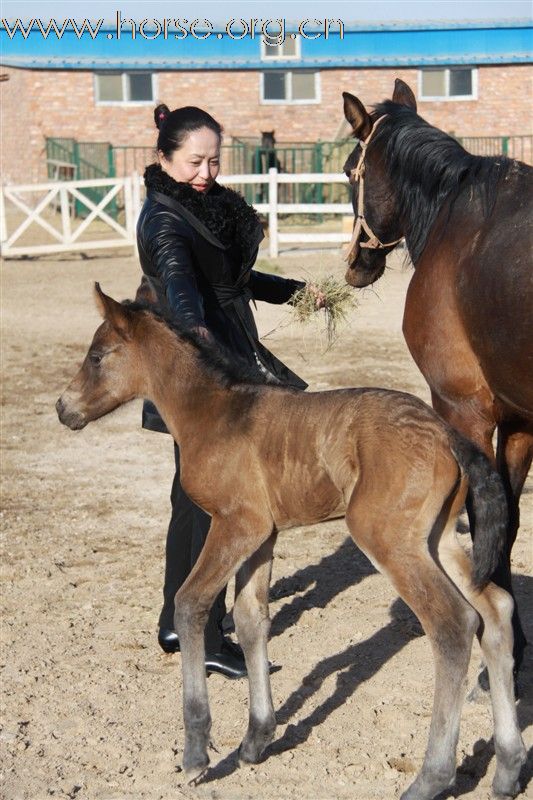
<point>288,79</point>
<point>266,52</point>
<point>123,74</point>
<point>447,98</point>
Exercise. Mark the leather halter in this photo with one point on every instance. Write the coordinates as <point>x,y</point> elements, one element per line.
<point>358,173</point>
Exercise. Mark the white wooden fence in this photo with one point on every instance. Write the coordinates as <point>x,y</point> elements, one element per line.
<point>53,212</point>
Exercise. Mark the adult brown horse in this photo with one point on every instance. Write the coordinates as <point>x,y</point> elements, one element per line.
<point>468,318</point>
<point>261,458</point>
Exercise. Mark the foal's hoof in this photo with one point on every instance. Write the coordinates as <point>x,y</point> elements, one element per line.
<point>499,796</point>
<point>194,775</point>
<point>427,787</point>
<point>255,742</point>
<point>195,765</point>
<point>250,753</point>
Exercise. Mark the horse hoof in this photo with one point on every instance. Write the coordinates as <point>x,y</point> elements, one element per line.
<point>249,753</point>
<point>194,775</point>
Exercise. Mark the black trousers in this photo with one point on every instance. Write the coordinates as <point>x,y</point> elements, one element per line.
<point>187,533</point>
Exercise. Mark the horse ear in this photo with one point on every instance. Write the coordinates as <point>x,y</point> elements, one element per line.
<point>113,312</point>
<point>357,115</point>
<point>403,94</point>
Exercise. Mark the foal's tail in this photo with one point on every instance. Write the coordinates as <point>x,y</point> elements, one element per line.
<point>489,504</point>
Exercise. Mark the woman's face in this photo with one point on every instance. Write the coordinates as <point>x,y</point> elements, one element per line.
<point>197,162</point>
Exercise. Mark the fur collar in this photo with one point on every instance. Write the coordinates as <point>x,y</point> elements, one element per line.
<point>223,211</point>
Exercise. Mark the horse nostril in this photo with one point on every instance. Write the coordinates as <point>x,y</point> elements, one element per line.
<point>60,407</point>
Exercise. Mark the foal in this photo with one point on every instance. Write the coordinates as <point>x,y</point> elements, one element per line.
<point>260,458</point>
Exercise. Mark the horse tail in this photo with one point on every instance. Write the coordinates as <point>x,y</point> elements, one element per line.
<point>489,519</point>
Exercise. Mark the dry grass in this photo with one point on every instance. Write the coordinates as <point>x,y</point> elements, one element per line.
<point>339,300</point>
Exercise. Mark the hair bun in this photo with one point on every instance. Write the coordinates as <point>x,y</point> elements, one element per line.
<point>160,115</point>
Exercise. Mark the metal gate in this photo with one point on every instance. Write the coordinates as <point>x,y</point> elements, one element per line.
<point>70,160</point>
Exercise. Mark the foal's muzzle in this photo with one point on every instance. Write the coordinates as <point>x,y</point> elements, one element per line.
<point>72,419</point>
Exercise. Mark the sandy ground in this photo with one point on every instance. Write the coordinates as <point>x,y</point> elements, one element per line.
<point>91,708</point>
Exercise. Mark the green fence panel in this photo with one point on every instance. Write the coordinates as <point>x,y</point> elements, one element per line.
<point>519,147</point>
<point>60,154</point>
<point>134,158</point>
<point>95,160</point>
<point>67,159</point>
<point>88,160</point>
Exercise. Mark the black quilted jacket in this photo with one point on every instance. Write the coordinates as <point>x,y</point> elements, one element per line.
<point>197,252</point>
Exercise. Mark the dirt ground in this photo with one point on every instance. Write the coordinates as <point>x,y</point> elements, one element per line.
<point>91,708</point>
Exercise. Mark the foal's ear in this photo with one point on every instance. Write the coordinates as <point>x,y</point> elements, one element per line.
<point>403,94</point>
<point>113,312</point>
<point>357,115</point>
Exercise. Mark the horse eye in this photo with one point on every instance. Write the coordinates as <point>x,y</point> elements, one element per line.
<point>95,359</point>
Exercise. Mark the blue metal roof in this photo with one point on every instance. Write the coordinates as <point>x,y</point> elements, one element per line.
<point>391,45</point>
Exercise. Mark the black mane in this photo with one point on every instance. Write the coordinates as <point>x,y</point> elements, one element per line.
<point>428,167</point>
<point>226,367</point>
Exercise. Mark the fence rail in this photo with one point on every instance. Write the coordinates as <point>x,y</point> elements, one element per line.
<point>49,208</point>
<point>52,208</point>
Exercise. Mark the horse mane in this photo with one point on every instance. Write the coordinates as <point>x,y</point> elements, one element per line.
<point>429,168</point>
<point>227,368</point>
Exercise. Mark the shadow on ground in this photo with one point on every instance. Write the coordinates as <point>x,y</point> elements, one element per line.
<point>359,662</point>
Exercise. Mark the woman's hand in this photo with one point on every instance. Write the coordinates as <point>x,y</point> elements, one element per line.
<point>204,334</point>
<point>320,297</point>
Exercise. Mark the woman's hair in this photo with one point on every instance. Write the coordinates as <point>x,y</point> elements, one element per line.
<point>175,126</point>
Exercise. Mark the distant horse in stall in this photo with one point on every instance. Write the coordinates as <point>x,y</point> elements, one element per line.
<point>265,158</point>
<point>468,318</point>
<point>261,458</point>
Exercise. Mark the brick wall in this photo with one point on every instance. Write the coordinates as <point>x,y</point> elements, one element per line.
<point>40,103</point>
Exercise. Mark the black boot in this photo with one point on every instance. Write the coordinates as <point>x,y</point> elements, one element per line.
<point>228,661</point>
<point>226,658</point>
<point>168,640</point>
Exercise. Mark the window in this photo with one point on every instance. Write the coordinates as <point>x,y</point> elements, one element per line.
<point>270,48</point>
<point>453,83</point>
<point>287,86</point>
<point>124,87</point>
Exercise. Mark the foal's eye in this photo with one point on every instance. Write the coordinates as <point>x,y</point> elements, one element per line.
<point>95,359</point>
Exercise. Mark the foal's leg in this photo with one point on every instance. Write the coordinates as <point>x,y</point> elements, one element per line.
<point>252,624</point>
<point>228,544</point>
<point>398,544</point>
<point>495,606</point>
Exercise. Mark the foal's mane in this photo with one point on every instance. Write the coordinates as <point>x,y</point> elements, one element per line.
<point>228,369</point>
<point>428,168</point>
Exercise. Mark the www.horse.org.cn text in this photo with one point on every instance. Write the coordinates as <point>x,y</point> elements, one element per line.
<point>272,32</point>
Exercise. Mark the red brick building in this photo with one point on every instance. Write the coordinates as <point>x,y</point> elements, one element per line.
<point>470,80</point>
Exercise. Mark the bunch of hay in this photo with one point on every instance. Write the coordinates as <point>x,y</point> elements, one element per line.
<point>339,300</point>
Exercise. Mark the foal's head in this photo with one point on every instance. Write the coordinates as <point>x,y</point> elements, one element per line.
<point>110,374</point>
<point>376,224</point>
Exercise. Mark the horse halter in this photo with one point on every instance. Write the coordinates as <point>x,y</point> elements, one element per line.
<point>358,173</point>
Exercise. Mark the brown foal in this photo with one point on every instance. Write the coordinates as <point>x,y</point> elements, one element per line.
<point>260,458</point>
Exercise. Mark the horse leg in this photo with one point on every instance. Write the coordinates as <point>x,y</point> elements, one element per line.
<point>252,624</point>
<point>474,419</point>
<point>399,547</point>
<point>514,456</point>
<point>228,544</point>
<point>495,607</point>
<point>476,422</point>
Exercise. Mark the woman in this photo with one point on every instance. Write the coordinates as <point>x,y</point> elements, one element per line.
<point>197,244</point>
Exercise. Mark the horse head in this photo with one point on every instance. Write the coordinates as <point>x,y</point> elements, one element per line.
<point>108,376</point>
<point>377,226</point>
